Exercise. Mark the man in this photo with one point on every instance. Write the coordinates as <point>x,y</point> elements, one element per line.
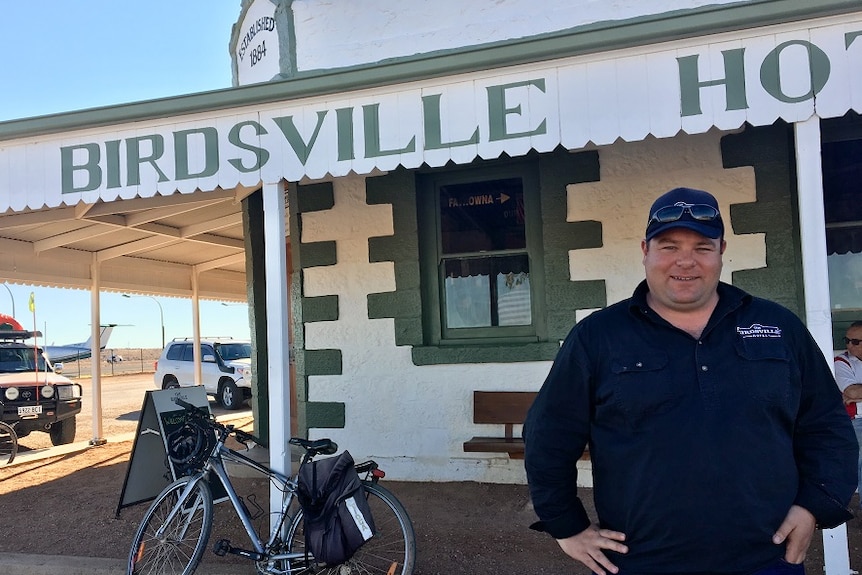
<point>848,375</point>
<point>717,435</point>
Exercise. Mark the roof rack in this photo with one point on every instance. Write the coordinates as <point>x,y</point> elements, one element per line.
<point>10,334</point>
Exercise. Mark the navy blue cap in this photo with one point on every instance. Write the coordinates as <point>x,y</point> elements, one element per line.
<point>711,228</point>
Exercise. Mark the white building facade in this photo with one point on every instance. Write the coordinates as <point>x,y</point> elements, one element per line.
<point>460,182</point>
<point>717,99</point>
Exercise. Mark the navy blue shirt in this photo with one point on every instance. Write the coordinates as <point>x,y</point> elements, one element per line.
<point>699,446</point>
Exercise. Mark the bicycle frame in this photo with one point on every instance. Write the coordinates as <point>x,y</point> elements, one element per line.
<point>215,464</point>
<point>183,512</point>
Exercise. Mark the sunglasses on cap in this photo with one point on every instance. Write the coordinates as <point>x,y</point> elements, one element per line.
<point>673,213</point>
<point>852,340</point>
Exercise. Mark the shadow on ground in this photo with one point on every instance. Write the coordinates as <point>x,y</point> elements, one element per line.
<point>67,505</point>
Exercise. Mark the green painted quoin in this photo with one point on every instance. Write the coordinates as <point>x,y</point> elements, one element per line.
<point>308,362</point>
<point>769,150</point>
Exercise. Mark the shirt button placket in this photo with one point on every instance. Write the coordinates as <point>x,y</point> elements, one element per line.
<point>706,379</point>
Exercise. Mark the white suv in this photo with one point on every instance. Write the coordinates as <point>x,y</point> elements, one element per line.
<point>225,368</point>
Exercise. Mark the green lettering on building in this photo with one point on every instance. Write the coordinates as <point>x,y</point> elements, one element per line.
<point>497,111</point>
<point>134,158</point>
<point>434,126</point>
<point>818,71</point>
<point>68,168</point>
<point>371,119</point>
<point>261,155</point>
<point>294,138</point>
<point>344,133</point>
<point>112,159</point>
<point>181,153</point>
<point>733,81</point>
<point>515,110</point>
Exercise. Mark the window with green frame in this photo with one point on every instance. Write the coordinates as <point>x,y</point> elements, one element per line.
<point>480,246</point>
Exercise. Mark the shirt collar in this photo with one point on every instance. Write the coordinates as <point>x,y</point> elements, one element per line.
<point>729,298</point>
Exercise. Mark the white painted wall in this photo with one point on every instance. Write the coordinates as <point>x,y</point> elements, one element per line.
<point>347,33</point>
<point>633,175</point>
<point>413,420</point>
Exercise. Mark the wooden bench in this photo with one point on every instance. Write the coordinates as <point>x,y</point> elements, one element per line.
<point>507,408</point>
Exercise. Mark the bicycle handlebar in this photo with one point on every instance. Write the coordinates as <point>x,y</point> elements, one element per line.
<point>194,410</point>
<point>311,447</point>
<point>184,404</point>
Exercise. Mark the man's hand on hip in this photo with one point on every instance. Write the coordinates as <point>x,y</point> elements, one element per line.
<point>796,530</point>
<point>588,545</point>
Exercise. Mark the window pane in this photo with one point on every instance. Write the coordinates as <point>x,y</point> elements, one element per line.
<point>468,301</point>
<point>513,298</point>
<point>473,300</point>
<point>175,353</point>
<point>232,351</point>
<point>188,352</point>
<point>482,216</point>
<point>845,280</point>
<point>842,171</point>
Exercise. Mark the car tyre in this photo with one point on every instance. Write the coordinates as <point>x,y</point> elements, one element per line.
<point>63,432</point>
<point>230,396</point>
<point>170,383</point>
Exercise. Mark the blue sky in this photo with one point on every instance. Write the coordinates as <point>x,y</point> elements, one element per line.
<point>64,55</point>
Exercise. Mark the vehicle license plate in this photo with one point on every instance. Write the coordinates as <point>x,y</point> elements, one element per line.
<point>30,410</point>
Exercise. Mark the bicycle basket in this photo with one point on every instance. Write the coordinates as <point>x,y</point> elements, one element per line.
<point>189,446</point>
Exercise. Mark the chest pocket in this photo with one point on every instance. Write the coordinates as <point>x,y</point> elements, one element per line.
<point>642,386</point>
<point>765,368</point>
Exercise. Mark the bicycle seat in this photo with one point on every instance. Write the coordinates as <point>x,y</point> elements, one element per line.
<point>321,446</point>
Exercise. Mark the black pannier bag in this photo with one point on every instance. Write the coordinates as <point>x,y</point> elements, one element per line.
<point>336,513</point>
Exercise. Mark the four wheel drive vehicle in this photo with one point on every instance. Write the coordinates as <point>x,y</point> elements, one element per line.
<point>225,368</point>
<point>32,396</point>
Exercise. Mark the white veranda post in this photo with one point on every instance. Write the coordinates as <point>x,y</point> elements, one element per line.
<point>96,351</point>
<point>815,277</point>
<point>275,266</point>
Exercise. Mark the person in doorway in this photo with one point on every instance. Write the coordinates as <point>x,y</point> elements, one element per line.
<point>848,375</point>
<point>717,435</point>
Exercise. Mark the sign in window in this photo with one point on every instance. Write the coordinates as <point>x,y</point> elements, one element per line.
<point>483,244</point>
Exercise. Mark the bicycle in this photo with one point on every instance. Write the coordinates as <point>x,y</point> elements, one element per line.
<point>8,443</point>
<point>175,529</point>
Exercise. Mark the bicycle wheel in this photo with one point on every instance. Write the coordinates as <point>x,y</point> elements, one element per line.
<point>177,549</point>
<point>392,549</point>
<point>8,443</point>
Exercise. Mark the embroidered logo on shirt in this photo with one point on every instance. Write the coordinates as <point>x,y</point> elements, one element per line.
<point>758,330</point>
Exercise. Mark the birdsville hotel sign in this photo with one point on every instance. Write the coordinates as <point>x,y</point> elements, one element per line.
<point>790,72</point>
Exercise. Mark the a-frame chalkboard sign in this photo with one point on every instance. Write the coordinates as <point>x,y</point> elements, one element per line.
<point>150,470</point>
